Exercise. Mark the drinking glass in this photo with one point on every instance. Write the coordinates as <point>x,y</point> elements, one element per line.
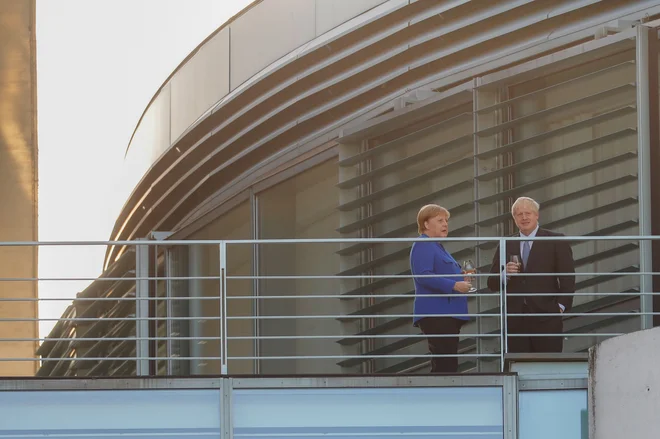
<point>469,268</point>
<point>516,260</point>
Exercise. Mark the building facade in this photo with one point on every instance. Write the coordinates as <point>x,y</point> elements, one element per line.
<point>320,119</point>
<point>18,183</point>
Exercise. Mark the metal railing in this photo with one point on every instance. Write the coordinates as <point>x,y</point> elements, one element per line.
<point>127,321</point>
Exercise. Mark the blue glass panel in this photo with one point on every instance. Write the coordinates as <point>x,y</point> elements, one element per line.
<point>447,413</point>
<point>98,414</point>
<point>551,414</point>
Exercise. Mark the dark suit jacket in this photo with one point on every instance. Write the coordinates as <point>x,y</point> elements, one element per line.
<point>544,257</point>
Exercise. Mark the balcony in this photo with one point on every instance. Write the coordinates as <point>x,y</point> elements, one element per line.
<point>190,308</point>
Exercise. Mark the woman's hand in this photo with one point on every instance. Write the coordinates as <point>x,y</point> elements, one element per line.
<point>462,287</point>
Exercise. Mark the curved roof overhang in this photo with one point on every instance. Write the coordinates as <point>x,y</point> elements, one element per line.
<point>332,80</point>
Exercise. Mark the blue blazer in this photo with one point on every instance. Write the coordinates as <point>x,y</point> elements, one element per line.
<point>432,258</point>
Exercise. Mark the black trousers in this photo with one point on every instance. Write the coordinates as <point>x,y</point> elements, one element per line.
<point>442,345</point>
<point>535,325</point>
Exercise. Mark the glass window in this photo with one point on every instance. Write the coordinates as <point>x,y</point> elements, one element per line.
<point>551,414</point>
<point>105,413</point>
<point>428,161</point>
<point>350,413</point>
<point>204,261</point>
<point>304,206</point>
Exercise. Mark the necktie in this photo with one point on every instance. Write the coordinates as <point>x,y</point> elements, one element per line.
<point>525,253</point>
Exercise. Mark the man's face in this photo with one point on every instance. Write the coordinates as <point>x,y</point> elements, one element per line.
<point>526,218</point>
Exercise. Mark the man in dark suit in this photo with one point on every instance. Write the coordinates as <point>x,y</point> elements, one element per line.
<point>543,294</point>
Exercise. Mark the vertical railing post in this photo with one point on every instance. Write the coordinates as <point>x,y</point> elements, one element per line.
<point>176,265</point>
<point>503,326</point>
<point>173,349</point>
<point>223,307</point>
<point>475,196</point>
<point>195,307</point>
<point>142,309</point>
<point>647,95</point>
<point>256,283</point>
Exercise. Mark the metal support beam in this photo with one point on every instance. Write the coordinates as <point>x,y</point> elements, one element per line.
<point>226,420</point>
<point>510,406</point>
<point>142,309</point>
<point>475,197</point>
<point>654,162</point>
<point>647,101</point>
<point>504,346</point>
<point>172,346</point>
<point>223,308</point>
<point>176,263</point>
<point>195,289</point>
<point>256,283</point>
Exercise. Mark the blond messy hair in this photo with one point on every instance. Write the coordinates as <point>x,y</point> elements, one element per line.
<point>524,201</point>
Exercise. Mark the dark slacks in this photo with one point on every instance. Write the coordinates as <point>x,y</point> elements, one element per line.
<point>442,345</point>
<point>535,325</point>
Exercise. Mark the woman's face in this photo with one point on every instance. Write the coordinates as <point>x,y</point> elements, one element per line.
<point>437,227</point>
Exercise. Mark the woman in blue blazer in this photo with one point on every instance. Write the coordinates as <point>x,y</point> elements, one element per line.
<point>428,258</point>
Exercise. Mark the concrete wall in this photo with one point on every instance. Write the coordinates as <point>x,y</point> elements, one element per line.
<point>18,180</point>
<point>624,387</point>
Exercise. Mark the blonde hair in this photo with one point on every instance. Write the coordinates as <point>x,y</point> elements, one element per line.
<point>524,201</point>
<point>427,212</point>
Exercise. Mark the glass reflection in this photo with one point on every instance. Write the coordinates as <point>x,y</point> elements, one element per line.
<point>205,262</point>
<point>301,207</point>
<point>551,414</point>
<point>110,413</point>
<point>351,413</point>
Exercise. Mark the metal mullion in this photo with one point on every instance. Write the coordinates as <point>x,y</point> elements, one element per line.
<point>475,197</point>
<point>142,310</point>
<point>256,267</point>
<point>510,406</point>
<point>645,86</point>
<point>169,309</point>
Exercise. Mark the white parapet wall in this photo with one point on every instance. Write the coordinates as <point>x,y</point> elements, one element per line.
<point>624,387</point>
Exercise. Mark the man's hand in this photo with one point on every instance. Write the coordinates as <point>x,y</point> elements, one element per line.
<point>512,267</point>
<point>462,287</point>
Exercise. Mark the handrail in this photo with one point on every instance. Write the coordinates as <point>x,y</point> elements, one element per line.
<point>111,333</point>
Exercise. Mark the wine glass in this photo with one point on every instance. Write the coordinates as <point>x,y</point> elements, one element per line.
<point>469,268</point>
<point>516,260</point>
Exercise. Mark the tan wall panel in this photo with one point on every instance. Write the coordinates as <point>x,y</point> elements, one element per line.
<point>267,32</point>
<point>202,82</point>
<point>18,174</point>
<point>332,13</point>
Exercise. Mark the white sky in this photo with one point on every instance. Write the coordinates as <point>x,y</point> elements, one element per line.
<point>99,63</point>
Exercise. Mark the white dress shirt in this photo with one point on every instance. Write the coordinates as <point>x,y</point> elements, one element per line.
<point>531,235</point>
